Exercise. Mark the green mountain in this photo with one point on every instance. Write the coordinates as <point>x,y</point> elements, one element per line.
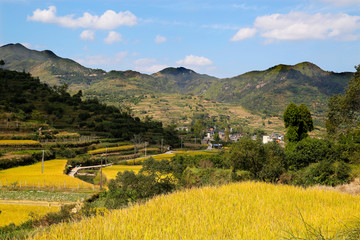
<point>268,91</point>
<point>186,80</point>
<point>273,89</point>
<point>32,104</point>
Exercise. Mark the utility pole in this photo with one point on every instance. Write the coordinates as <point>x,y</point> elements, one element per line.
<point>106,156</point>
<point>162,142</point>
<point>145,148</point>
<point>101,173</point>
<point>42,162</point>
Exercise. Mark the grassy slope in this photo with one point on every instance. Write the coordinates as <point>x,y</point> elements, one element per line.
<point>236,211</point>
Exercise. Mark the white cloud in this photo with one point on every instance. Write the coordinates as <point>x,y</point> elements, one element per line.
<point>160,39</point>
<point>192,60</point>
<point>148,65</point>
<point>103,60</point>
<point>108,20</point>
<point>113,37</point>
<point>87,35</point>
<point>244,33</point>
<point>304,26</point>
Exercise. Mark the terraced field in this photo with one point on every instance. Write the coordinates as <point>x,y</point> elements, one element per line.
<point>51,178</point>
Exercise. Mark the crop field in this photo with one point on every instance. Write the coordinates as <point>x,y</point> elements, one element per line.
<point>44,196</point>
<point>23,211</point>
<point>245,210</point>
<point>19,143</point>
<point>111,172</point>
<point>31,177</point>
<point>111,149</point>
<point>193,153</point>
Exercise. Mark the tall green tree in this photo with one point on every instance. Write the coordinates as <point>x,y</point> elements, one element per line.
<point>344,109</point>
<point>298,121</point>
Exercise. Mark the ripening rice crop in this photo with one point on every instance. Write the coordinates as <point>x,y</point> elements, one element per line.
<point>111,149</point>
<point>19,143</point>
<point>193,153</point>
<point>165,156</point>
<point>31,176</point>
<point>111,172</point>
<point>18,213</point>
<point>236,211</point>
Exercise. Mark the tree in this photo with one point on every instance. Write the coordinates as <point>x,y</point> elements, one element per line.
<point>344,109</point>
<point>247,155</point>
<point>298,121</point>
<point>2,62</point>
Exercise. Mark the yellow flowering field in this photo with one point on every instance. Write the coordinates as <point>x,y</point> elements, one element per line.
<point>111,149</point>
<point>19,213</point>
<point>111,172</point>
<point>52,177</point>
<point>245,210</point>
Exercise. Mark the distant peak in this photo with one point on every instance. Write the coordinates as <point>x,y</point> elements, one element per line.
<point>49,53</point>
<point>18,45</point>
<point>176,71</point>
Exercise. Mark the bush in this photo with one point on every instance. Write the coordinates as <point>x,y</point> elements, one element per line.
<point>195,177</point>
<point>309,150</point>
<point>325,173</point>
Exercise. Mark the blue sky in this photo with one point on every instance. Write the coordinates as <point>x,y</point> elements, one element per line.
<point>220,38</point>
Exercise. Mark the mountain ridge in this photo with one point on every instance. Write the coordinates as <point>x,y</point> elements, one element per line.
<point>260,91</point>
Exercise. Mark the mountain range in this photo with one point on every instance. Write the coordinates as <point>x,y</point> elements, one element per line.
<point>268,91</point>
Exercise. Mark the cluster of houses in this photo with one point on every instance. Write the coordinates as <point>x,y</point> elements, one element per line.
<point>233,137</point>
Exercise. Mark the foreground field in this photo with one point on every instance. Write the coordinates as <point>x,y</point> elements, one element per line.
<point>52,177</point>
<point>236,211</point>
<point>20,211</point>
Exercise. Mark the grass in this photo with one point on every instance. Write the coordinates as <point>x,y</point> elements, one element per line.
<point>31,177</point>
<point>19,213</point>
<point>236,211</point>
<point>111,172</point>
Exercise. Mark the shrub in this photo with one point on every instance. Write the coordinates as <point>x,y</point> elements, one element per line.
<point>309,150</point>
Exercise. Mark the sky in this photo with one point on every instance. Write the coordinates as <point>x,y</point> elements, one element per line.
<point>219,38</point>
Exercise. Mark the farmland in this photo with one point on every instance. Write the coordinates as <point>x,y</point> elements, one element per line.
<point>52,177</point>
<point>20,211</point>
<point>222,213</point>
<point>111,172</point>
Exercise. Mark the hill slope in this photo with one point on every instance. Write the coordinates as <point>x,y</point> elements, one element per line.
<point>236,211</point>
<point>266,91</point>
<point>25,99</point>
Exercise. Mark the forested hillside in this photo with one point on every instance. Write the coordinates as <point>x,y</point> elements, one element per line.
<point>25,100</point>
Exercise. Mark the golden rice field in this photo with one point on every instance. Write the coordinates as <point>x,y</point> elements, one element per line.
<point>52,177</point>
<point>19,212</point>
<point>193,153</point>
<point>18,142</point>
<point>111,149</point>
<point>111,172</point>
<point>246,210</point>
